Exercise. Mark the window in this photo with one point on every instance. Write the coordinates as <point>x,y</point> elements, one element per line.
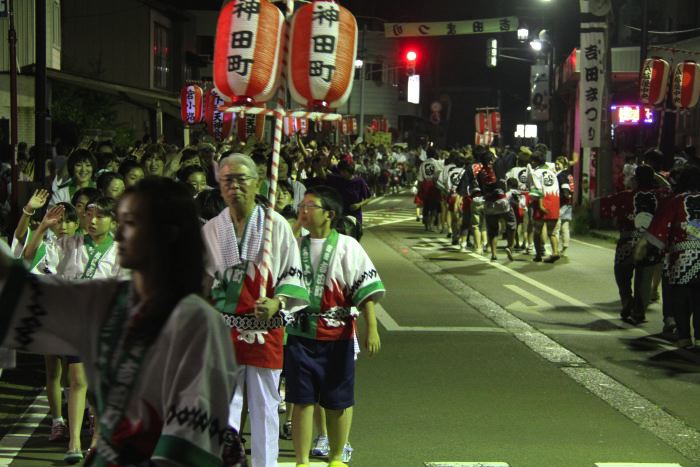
<point>374,71</point>
<point>205,45</point>
<point>162,77</point>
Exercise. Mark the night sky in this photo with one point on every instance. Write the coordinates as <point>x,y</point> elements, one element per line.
<point>459,62</point>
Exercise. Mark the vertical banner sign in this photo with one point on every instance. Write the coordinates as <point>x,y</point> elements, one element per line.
<point>539,92</point>
<point>592,83</point>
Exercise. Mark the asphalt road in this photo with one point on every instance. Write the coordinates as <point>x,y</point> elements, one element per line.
<point>502,363</point>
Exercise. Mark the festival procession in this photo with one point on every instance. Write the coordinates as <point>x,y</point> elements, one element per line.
<point>226,224</point>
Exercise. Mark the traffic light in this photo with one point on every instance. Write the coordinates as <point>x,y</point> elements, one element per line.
<point>411,58</point>
<point>491,53</point>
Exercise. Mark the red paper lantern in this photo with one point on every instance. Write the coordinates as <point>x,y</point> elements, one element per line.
<point>322,51</point>
<point>249,125</point>
<point>248,51</point>
<point>191,104</point>
<point>303,126</point>
<point>686,85</point>
<point>495,122</point>
<point>219,123</point>
<point>653,81</point>
<point>481,122</point>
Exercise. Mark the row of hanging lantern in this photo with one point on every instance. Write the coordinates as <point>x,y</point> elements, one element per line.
<point>685,83</point>
<point>208,107</point>
<point>487,124</point>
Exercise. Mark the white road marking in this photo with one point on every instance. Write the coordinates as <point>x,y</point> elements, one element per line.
<point>391,325</point>
<point>12,443</point>
<point>552,291</point>
<point>633,464</point>
<point>538,304</point>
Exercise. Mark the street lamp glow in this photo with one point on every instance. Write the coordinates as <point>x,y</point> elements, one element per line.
<point>523,33</point>
<point>359,63</point>
<point>536,45</point>
<point>529,108</point>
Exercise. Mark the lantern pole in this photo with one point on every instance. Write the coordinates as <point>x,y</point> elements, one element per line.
<point>662,115</point>
<point>266,265</point>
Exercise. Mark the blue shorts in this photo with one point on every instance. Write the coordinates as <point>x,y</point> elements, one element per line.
<point>71,359</point>
<point>320,372</point>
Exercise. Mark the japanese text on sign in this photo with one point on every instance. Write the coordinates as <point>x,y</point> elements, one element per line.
<point>592,83</point>
<point>452,28</point>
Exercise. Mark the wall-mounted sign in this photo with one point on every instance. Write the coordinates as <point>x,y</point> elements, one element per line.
<point>631,114</point>
<point>413,94</point>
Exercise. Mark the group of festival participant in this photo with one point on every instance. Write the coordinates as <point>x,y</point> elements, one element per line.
<point>658,215</point>
<point>477,195</point>
<point>143,279</point>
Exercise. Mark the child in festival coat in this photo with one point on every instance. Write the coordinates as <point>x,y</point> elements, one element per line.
<point>319,357</point>
<point>89,256</point>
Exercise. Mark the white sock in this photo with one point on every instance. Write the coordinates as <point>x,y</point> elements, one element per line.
<point>57,420</point>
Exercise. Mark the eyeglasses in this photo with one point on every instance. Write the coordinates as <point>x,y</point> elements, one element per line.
<point>237,179</point>
<point>306,206</point>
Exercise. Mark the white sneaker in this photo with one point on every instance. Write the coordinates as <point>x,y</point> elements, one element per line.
<point>347,453</point>
<point>320,446</point>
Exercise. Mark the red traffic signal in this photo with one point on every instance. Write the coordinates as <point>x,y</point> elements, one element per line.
<point>411,57</point>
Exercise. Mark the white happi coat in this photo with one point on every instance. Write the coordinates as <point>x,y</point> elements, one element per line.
<point>178,407</point>
<point>257,348</point>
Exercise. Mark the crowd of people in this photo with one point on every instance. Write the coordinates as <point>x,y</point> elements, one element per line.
<point>475,195</point>
<point>138,236</point>
<point>149,230</point>
<point>478,196</point>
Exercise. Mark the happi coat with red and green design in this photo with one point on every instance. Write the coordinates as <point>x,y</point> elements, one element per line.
<point>235,265</point>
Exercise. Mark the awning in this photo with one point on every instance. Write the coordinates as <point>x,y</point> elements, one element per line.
<point>149,98</point>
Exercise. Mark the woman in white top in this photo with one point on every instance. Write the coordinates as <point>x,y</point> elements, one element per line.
<point>158,357</point>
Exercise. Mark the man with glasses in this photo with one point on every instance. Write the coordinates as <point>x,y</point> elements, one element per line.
<point>234,243</point>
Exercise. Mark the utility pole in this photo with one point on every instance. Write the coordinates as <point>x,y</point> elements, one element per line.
<point>14,136</point>
<point>363,77</point>
<point>40,116</point>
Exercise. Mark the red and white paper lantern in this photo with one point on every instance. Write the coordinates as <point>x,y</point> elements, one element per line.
<point>686,85</point>
<point>248,51</point>
<point>191,104</point>
<point>481,122</point>
<point>495,122</point>
<point>249,125</point>
<point>484,139</point>
<point>653,82</point>
<point>219,123</point>
<point>322,51</point>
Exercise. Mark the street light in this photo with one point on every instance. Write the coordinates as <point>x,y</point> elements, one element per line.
<point>359,63</point>
<point>536,45</point>
<point>523,33</point>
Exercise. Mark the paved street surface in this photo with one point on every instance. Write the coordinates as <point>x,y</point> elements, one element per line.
<point>518,364</point>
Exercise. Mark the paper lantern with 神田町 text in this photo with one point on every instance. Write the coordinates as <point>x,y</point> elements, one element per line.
<point>686,85</point>
<point>248,51</point>
<point>653,82</point>
<point>191,104</point>
<point>322,50</point>
<point>219,123</point>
